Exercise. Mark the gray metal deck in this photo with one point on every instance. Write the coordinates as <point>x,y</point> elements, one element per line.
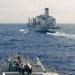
<point>36,70</point>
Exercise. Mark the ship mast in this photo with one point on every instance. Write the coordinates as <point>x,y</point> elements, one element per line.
<point>47,11</point>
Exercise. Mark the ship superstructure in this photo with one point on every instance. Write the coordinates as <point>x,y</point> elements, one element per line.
<point>43,22</point>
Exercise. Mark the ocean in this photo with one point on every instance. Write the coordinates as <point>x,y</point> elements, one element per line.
<point>51,48</point>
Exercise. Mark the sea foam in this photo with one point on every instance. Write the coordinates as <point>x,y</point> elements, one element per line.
<point>24,31</point>
<point>72,36</point>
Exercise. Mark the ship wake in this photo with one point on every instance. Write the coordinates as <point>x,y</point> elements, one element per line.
<point>25,31</point>
<point>71,36</point>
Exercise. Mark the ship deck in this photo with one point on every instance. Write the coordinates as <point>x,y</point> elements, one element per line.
<point>40,69</point>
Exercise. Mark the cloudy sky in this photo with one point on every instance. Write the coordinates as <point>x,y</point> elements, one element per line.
<point>18,11</point>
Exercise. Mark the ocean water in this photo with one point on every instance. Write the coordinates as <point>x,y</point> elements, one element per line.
<point>52,48</point>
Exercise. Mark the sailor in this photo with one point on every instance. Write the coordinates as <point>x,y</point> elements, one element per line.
<point>10,66</point>
<point>26,67</point>
<point>22,68</point>
<point>19,59</point>
<point>56,68</point>
<point>18,66</point>
<point>29,68</point>
<point>15,66</point>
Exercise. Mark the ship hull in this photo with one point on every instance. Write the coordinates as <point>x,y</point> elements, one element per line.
<point>44,29</point>
<point>47,29</point>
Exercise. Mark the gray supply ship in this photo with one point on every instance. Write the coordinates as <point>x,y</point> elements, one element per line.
<point>10,68</point>
<point>43,22</point>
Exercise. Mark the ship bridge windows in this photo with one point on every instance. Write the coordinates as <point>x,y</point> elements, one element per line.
<point>48,25</point>
<point>44,18</point>
<point>53,18</point>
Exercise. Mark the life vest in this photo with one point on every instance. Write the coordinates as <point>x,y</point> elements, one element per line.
<point>17,63</point>
<point>30,66</point>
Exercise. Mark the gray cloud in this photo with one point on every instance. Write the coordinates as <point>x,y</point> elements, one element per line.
<point>20,10</point>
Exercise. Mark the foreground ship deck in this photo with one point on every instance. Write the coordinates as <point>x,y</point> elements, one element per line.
<point>37,69</point>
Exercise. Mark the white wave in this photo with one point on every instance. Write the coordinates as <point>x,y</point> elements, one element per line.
<point>62,34</point>
<point>24,31</point>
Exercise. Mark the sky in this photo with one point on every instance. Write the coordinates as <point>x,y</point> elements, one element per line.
<point>18,11</point>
